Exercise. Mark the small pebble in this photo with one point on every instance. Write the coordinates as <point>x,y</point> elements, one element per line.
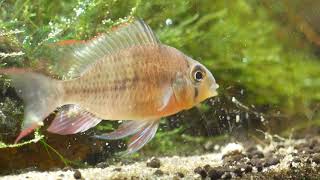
<point>200,171</point>
<point>207,167</point>
<point>259,168</point>
<point>256,154</point>
<point>153,162</point>
<point>238,171</point>
<point>296,160</point>
<point>271,162</point>
<point>316,158</point>
<point>215,173</point>
<point>158,172</point>
<point>226,175</point>
<point>248,168</point>
<point>180,174</point>
<point>117,169</point>
<point>102,165</point>
<point>67,168</point>
<point>77,174</point>
<point>233,157</point>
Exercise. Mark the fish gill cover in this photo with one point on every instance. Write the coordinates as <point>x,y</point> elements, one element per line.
<point>262,53</point>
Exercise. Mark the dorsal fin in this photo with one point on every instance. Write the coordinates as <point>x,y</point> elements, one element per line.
<point>73,59</point>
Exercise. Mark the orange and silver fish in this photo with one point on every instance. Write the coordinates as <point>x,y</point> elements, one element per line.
<point>124,75</point>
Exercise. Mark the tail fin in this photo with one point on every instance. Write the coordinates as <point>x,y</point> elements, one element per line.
<point>41,95</point>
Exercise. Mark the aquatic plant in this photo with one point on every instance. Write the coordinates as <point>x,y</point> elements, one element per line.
<point>255,57</point>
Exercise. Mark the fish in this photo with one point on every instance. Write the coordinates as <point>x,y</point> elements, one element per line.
<point>127,74</point>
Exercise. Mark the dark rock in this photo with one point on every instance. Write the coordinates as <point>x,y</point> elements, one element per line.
<point>180,174</point>
<point>207,167</point>
<point>259,168</point>
<point>154,163</point>
<point>158,172</point>
<point>234,156</point>
<point>247,169</point>
<point>201,171</point>
<point>135,178</point>
<point>117,169</point>
<point>256,154</point>
<point>271,162</point>
<point>316,149</point>
<point>67,168</point>
<point>102,165</point>
<point>313,144</point>
<point>316,158</point>
<point>296,160</point>
<point>301,146</point>
<point>308,160</point>
<point>215,173</point>
<point>237,171</point>
<point>256,162</point>
<point>251,149</point>
<point>280,146</point>
<point>77,174</point>
<point>226,175</point>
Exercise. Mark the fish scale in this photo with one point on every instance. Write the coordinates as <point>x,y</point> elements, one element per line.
<point>116,84</point>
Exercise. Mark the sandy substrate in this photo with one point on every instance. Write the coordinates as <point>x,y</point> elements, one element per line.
<point>231,161</point>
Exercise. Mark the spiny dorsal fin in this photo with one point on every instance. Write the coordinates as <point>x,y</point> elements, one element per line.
<point>75,58</point>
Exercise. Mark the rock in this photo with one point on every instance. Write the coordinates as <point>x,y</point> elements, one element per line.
<point>207,167</point>
<point>296,160</point>
<point>248,169</point>
<point>117,169</point>
<point>271,162</point>
<point>67,168</point>
<point>153,162</point>
<point>77,174</point>
<point>316,158</point>
<point>226,175</point>
<point>135,178</point>
<point>158,172</point>
<point>256,154</point>
<point>232,157</point>
<point>215,173</point>
<point>200,171</point>
<point>102,165</point>
<point>238,171</point>
<point>180,174</point>
<point>259,168</point>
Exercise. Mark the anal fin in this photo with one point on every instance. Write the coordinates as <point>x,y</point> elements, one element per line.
<point>137,141</point>
<point>127,128</point>
<point>142,131</point>
<point>71,120</point>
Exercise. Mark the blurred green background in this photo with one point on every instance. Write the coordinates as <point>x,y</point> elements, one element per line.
<point>263,53</point>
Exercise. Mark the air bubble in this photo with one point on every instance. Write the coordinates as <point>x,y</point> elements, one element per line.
<point>169,22</point>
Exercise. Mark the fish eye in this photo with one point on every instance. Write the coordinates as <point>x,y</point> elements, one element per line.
<point>198,74</point>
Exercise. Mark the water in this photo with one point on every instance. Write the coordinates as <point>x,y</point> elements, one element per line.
<point>263,54</point>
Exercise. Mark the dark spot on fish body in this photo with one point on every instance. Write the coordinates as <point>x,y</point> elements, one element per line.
<point>196,92</point>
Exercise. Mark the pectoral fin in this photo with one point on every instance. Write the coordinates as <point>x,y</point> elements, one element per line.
<point>168,93</point>
<point>72,119</point>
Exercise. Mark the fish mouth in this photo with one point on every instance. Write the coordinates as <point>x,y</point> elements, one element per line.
<point>213,89</point>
